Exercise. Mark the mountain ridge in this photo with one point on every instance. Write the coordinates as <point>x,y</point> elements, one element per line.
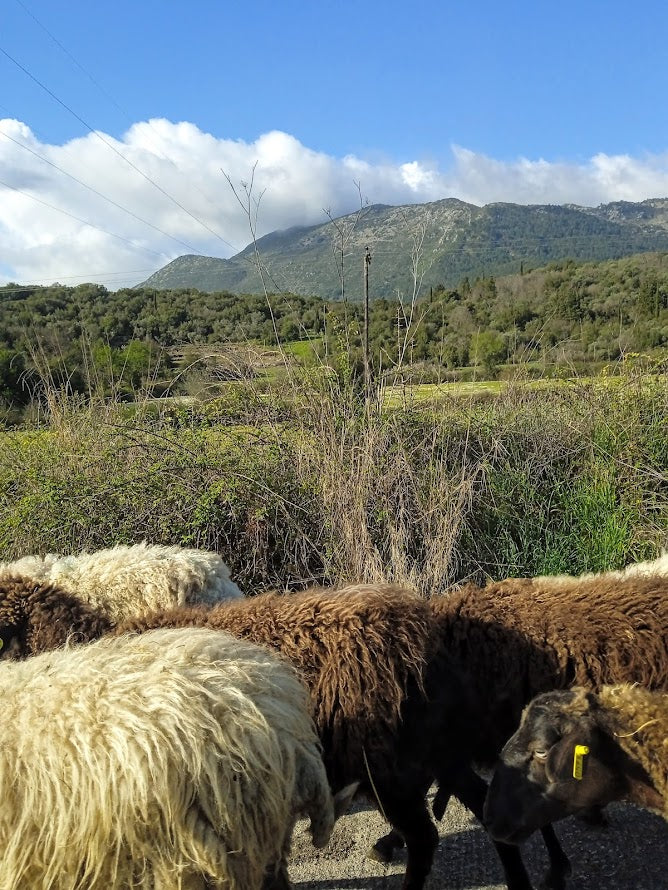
<point>424,245</point>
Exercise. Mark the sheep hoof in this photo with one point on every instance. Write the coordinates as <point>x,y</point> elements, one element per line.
<point>381,852</point>
<point>556,879</point>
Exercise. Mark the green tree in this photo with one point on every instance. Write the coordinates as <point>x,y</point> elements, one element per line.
<point>135,362</point>
<point>486,350</point>
<point>12,367</point>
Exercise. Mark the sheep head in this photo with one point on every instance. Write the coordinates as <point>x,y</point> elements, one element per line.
<point>560,760</point>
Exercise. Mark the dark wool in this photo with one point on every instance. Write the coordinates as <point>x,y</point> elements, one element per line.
<point>393,711</point>
<point>36,617</point>
<point>362,653</point>
<point>520,637</point>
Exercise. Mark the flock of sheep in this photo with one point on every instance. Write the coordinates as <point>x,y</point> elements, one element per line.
<point>163,731</point>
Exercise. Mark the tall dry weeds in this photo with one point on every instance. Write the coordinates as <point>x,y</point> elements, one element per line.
<point>309,483</point>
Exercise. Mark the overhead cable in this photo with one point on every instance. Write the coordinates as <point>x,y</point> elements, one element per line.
<point>113,148</point>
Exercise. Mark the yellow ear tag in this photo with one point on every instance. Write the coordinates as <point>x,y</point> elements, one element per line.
<point>579,753</point>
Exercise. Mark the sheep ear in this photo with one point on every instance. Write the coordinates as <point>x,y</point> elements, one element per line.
<point>344,798</point>
<point>559,761</point>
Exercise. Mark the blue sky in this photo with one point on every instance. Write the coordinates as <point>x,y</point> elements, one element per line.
<point>526,102</point>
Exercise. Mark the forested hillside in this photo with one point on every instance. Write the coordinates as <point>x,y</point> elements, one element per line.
<point>448,240</point>
<point>566,314</point>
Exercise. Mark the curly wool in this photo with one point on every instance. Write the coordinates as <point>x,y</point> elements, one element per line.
<point>154,760</point>
<point>638,721</point>
<point>132,580</point>
<point>658,566</point>
<point>523,636</point>
<point>358,649</point>
<point>38,616</point>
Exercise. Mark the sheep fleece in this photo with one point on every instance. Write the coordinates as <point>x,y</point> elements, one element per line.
<point>638,721</point>
<point>125,580</point>
<point>151,760</point>
<point>358,649</point>
<point>523,636</point>
<point>38,616</point>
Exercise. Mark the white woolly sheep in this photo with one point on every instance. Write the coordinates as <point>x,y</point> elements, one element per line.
<point>125,581</point>
<point>576,749</point>
<point>179,758</point>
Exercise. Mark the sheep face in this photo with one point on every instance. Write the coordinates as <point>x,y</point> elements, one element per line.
<point>558,762</point>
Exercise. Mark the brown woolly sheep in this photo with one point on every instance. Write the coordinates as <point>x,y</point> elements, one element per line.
<point>38,616</point>
<point>391,710</point>
<point>523,636</point>
<point>575,749</point>
<point>514,639</point>
<point>605,630</point>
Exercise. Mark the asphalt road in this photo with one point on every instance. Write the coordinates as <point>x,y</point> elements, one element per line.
<point>630,854</point>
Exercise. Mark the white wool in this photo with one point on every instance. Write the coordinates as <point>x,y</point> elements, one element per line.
<point>129,581</point>
<point>658,566</point>
<point>35,567</point>
<point>151,761</point>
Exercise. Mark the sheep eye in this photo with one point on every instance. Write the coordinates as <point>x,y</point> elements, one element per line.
<point>540,756</point>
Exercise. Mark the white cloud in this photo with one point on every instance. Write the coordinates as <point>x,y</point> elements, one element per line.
<point>602,179</point>
<point>181,165</point>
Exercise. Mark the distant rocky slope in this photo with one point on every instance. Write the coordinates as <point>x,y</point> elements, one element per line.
<point>450,238</point>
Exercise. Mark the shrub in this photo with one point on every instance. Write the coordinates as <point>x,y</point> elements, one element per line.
<point>317,485</point>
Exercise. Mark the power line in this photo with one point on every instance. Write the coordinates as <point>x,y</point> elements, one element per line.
<point>71,57</point>
<point>114,149</point>
<point>99,194</point>
<point>111,99</point>
<point>78,219</point>
<point>87,276</point>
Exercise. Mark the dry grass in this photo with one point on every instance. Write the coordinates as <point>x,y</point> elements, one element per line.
<point>308,483</point>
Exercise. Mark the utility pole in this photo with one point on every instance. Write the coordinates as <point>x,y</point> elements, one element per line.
<point>398,326</point>
<point>367,364</point>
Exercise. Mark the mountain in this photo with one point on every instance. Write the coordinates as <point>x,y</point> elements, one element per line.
<point>450,239</point>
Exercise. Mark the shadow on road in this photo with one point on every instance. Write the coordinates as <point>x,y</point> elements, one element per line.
<point>630,854</point>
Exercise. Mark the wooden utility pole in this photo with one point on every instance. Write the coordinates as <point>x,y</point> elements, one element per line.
<point>367,364</point>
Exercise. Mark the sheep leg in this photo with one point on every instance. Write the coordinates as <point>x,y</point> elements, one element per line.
<point>440,802</point>
<point>277,878</point>
<point>383,849</point>
<point>471,790</point>
<point>409,817</point>
<point>560,867</point>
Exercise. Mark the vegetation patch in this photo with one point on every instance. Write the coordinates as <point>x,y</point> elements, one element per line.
<point>322,486</point>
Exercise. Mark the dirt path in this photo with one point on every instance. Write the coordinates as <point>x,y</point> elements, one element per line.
<point>631,854</point>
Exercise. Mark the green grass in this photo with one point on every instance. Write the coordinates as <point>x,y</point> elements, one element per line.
<point>303,350</point>
<point>305,483</point>
<point>433,392</point>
